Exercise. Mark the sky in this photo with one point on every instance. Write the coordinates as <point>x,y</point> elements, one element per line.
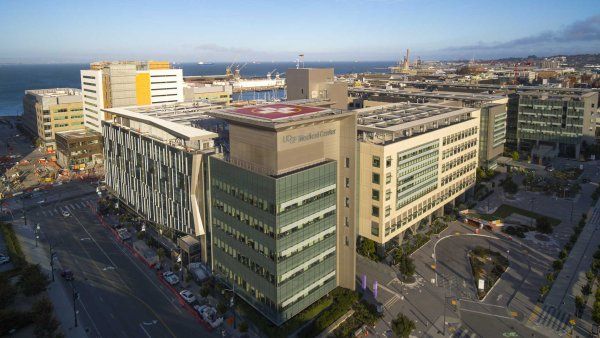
<point>262,30</point>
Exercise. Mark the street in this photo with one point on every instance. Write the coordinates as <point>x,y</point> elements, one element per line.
<point>119,296</point>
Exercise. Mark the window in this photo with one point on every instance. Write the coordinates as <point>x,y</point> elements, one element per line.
<point>375,211</point>
<point>375,195</point>
<point>376,162</point>
<point>347,182</point>
<point>388,161</point>
<point>375,178</point>
<point>374,228</point>
<point>347,202</point>
<point>347,242</point>
<point>346,221</point>
<point>387,211</point>
<point>388,178</point>
<point>388,194</point>
<point>347,162</point>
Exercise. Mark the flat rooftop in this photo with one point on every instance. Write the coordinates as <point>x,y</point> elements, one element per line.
<point>403,120</point>
<point>168,118</point>
<point>274,114</point>
<point>458,96</point>
<point>74,135</point>
<point>54,92</point>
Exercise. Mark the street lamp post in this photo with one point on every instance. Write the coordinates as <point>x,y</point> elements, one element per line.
<point>231,301</point>
<point>52,255</point>
<point>75,298</point>
<point>37,234</point>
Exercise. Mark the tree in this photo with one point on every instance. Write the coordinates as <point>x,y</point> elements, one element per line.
<point>402,326</point>
<point>43,319</point>
<point>221,308</point>
<point>406,265</point>
<point>543,225</point>
<point>367,248</point>
<point>7,292</point>
<point>161,254</point>
<point>32,281</point>
<point>515,155</point>
<point>579,304</point>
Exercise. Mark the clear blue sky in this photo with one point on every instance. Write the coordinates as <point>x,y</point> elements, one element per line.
<point>222,30</point>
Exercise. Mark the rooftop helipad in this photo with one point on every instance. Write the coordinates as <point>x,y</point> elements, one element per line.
<point>276,111</point>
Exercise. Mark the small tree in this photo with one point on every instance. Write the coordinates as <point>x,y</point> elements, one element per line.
<point>579,304</point>
<point>32,281</point>
<point>406,265</point>
<point>204,291</point>
<point>7,292</point>
<point>514,155</point>
<point>543,225</point>
<point>402,326</point>
<point>367,248</point>
<point>161,254</point>
<point>557,265</point>
<point>544,289</point>
<point>43,319</point>
<point>221,308</point>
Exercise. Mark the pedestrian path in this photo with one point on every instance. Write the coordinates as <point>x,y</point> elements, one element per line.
<point>553,319</point>
<point>463,332</point>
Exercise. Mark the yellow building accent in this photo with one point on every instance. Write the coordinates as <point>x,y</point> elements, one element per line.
<point>142,89</point>
<point>159,65</point>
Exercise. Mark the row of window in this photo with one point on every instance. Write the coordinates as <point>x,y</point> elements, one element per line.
<point>240,237</point>
<point>244,196</point>
<point>449,178</point>
<point>459,136</point>
<point>245,218</point>
<point>250,264</point>
<point>459,148</point>
<point>458,161</point>
<point>310,199</point>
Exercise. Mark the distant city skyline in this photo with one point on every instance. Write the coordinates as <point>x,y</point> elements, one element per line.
<point>371,30</point>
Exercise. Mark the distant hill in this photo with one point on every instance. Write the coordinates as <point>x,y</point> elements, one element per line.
<point>576,61</point>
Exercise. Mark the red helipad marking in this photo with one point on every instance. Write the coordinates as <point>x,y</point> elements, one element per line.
<point>277,111</point>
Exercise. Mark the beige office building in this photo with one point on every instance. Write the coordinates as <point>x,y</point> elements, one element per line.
<point>48,111</point>
<point>316,83</point>
<point>414,159</point>
<point>127,83</point>
<point>283,205</point>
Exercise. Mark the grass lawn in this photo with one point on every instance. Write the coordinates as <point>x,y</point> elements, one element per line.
<point>506,210</point>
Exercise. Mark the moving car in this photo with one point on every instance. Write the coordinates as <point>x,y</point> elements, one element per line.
<point>67,274</point>
<point>66,214</point>
<point>188,296</point>
<point>170,277</point>
<point>4,259</point>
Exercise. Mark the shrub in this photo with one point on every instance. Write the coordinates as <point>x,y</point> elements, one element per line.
<point>204,291</point>
<point>557,265</point>
<point>367,248</point>
<point>43,319</point>
<point>11,319</point>
<point>402,326</point>
<point>543,225</point>
<point>221,308</point>
<point>12,245</point>
<point>563,254</point>
<point>7,292</point>
<point>406,265</point>
<point>32,281</point>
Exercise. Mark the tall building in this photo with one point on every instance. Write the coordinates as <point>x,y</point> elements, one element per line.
<point>127,83</point>
<point>552,124</point>
<point>414,160</point>
<point>316,83</point>
<point>283,205</point>
<point>156,166</point>
<point>48,111</point>
<point>492,134</point>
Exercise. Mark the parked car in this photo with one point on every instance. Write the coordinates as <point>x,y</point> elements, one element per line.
<point>66,213</point>
<point>170,277</point>
<point>209,314</point>
<point>188,296</point>
<point>67,274</point>
<point>124,234</point>
<point>4,259</point>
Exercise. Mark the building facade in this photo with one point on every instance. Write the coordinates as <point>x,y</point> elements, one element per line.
<point>283,205</point>
<point>492,134</point>
<point>127,83</point>
<point>560,122</point>
<point>48,111</point>
<point>156,167</point>
<point>78,149</point>
<point>214,94</point>
<point>316,83</point>
<point>414,160</point>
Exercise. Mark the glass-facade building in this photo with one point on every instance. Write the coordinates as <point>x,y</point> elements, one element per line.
<point>274,236</point>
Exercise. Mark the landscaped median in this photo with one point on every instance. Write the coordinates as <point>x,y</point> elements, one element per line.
<point>487,266</point>
<point>543,224</point>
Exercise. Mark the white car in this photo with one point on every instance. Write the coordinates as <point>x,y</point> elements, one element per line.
<point>188,296</point>
<point>124,234</point>
<point>66,213</point>
<point>4,259</point>
<point>209,314</point>
<point>170,277</point>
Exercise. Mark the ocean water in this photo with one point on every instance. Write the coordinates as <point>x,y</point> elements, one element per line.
<point>15,79</point>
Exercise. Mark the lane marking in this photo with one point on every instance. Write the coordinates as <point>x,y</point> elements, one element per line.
<point>486,313</point>
<point>146,332</point>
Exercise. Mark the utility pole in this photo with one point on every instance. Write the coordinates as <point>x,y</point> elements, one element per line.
<point>36,231</point>
<point>75,298</point>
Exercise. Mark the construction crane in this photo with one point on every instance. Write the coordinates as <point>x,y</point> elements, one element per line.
<point>270,73</point>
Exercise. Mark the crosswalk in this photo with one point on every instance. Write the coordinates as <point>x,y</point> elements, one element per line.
<point>77,205</point>
<point>554,319</point>
<point>595,219</point>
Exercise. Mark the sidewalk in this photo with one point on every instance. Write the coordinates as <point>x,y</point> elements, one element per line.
<point>57,291</point>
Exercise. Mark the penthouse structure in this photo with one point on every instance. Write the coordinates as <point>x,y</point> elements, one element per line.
<point>127,83</point>
<point>48,111</point>
<point>283,205</point>
<point>316,83</point>
<point>561,122</point>
<point>414,159</point>
<point>493,113</point>
<point>156,166</point>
